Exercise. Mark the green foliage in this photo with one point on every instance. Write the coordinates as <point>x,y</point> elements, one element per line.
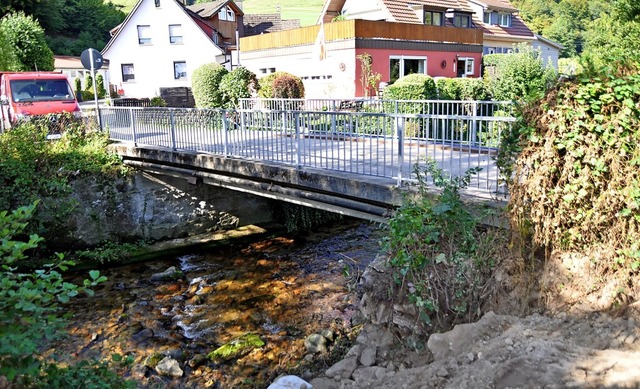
<point>238,84</point>
<point>33,168</point>
<point>611,43</point>
<point>236,348</point>
<point>412,87</point>
<point>77,86</point>
<point>25,35</point>
<point>577,174</point>
<point>206,85</point>
<point>517,76</point>
<point>158,101</point>
<point>288,86</point>
<point>88,82</point>
<point>102,92</point>
<point>108,253</point>
<point>436,250</point>
<point>567,22</point>
<point>462,89</point>
<point>85,374</point>
<point>30,303</point>
<point>368,78</point>
<point>8,58</point>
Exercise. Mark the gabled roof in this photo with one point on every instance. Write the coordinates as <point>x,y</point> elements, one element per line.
<point>496,5</point>
<point>517,29</point>
<point>115,32</point>
<point>207,10</point>
<point>403,14</point>
<point>399,10</point>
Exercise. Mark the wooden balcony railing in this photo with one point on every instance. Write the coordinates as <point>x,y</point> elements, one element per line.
<point>350,29</point>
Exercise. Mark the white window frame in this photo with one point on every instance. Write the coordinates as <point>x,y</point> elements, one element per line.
<point>144,34</point>
<point>469,65</point>
<point>504,19</point>
<point>132,72</point>
<point>402,58</point>
<point>180,70</point>
<point>175,34</point>
<point>226,13</point>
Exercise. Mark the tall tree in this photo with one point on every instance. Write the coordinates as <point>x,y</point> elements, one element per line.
<point>7,55</point>
<point>26,36</point>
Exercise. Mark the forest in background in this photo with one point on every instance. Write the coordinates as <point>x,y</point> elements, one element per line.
<point>74,25</point>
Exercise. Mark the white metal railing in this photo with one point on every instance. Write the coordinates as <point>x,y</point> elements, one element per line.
<point>372,143</point>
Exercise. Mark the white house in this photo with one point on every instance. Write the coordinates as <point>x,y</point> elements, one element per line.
<point>161,42</point>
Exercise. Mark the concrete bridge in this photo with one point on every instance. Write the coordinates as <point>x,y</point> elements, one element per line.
<point>359,164</point>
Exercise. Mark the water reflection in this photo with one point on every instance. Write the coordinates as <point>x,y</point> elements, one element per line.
<point>282,289</point>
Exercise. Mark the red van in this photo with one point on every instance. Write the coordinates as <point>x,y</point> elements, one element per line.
<point>27,94</point>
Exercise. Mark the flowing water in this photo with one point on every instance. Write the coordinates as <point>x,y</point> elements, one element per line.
<point>282,289</point>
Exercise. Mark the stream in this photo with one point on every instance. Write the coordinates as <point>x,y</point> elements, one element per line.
<point>281,289</point>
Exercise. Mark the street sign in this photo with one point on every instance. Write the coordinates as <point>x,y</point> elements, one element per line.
<point>91,57</point>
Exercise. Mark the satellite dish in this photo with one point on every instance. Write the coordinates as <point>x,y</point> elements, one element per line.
<point>91,59</point>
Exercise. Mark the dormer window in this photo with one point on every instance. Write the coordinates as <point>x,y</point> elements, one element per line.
<point>226,13</point>
<point>497,18</point>
<point>433,18</point>
<point>462,20</point>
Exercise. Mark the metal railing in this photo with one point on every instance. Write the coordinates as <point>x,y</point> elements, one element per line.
<point>366,143</point>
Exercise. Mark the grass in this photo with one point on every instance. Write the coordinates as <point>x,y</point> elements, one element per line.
<point>305,10</point>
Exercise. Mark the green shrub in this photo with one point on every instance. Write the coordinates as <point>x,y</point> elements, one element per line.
<point>290,86</point>
<point>30,305</point>
<point>102,92</point>
<point>575,155</point>
<point>518,76</point>
<point>238,84</point>
<point>412,87</point>
<point>158,101</point>
<point>34,168</point>
<point>439,255</point>
<point>462,89</point>
<point>77,82</point>
<point>205,85</point>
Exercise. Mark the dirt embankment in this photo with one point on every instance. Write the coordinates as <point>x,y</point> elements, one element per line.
<point>572,328</point>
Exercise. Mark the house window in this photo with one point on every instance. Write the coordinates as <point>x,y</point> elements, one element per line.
<point>505,20</point>
<point>468,68</point>
<point>226,13</point>
<point>157,3</point>
<point>433,18</point>
<point>402,66</point>
<point>465,67</point>
<point>461,21</point>
<point>175,33</point>
<point>144,35</point>
<point>127,72</point>
<point>179,70</point>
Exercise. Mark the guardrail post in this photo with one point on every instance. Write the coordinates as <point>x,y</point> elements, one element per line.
<point>225,130</point>
<point>474,125</point>
<point>173,130</point>
<point>400,121</point>
<point>133,128</point>
<point>296,116</point>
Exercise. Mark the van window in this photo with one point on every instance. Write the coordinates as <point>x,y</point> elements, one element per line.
<point>41,90</point>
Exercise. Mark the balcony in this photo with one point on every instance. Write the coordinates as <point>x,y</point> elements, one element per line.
<point>362,29</point>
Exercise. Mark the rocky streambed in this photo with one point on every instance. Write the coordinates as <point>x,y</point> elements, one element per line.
<point>228,317</point>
